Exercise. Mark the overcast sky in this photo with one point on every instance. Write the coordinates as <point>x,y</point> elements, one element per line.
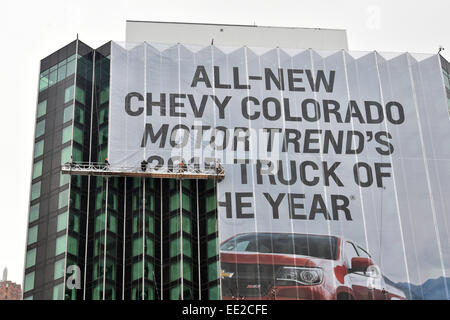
<point>31,30</point>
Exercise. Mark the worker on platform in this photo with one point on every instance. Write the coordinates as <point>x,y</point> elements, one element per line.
<point>106,164</point>
<point>182,166</point>
<point>144,164</point>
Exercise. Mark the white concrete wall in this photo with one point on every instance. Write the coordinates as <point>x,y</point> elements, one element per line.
<point>236,35</point>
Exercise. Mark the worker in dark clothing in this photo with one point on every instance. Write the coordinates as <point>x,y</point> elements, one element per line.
<point>106,164</point>
<point>144,164</point>
<point>182,166</point>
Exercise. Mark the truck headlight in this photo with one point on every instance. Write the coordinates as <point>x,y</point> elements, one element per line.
<point>300,275</point>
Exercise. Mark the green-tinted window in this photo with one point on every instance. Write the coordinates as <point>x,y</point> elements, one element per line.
<point>211,203</point>
<point>214,293</point>
<point>174,202</point>
<point>80,95</point>
<point>66,134</point>
<point>35,190</point>
<point>175,293</point>
<point>212,248</point>
<point>150,224</point>
<point>39,149</point>
<point>43,82</point>
<point>210,184</point>
<point>32,235</point>
<point>211,224</point>
<point>34,212</point>
<point>63,179</point>
<point>29,282</point>
<point>41,108</point>
<point>174,247</point>
<point>186,202</point>
<point>74,222</point>
<point>112,223</point>
<point>103,135</point>
<point>174,224</point>
<point>62,69</point>
<point>97,293</point>
<point>78,135</point>
<point>79,114</point>
<point>77,154</point>
<point>59,269</point>
<point>72,246</point>
<point>37,169</point>
<point>31,258</point>
<point>40,128</point>
<point>174,271</point>
<point>99,200</point>
<point>53,76</point>
<point>187,271</point>
<point>68,113</point>
<point>104,95</point>
<point>65,155</point>
<point>61,221</point>
<point>213,268</point>
<point>71,65</point>
<point>137,247</point>
<point>63,199</point>
<point>60,245</point>
<point>100,222</point>
<point>68,94</point>
<point>75,199</point>
<point>136,223</point>
<point>187,248</point>
<point>149,270</point>
<point>103,153</point>
<point>58,291</point>
<point>149,247</point>
<point>137,270</point>
<point>28,298</point>
<point>186,224</point>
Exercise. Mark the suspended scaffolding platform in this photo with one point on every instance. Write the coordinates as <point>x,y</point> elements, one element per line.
<point>168,172</point>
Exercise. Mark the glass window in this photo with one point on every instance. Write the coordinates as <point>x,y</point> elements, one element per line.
<point>150,224</point>
<point>187,249</point>
<point>174,271</point>
<point>112,223</point>
<point>186,202</point>
<point>174,202</point>
<point>187,271</point>
<point>63,179</point>
<point>175,293</point>
<point>72,246</point>
<point>212,248</point>
<point>212,271</point>
<point>31,258</point>
<point>65,155</point>
<point>29,282</point>
<point>37,169</point>
<point>63,199</point>
<point>34,212</point>
<point>186,224</point>
<point>80,96</point>
<point>103,135</point>
<point>60,245</point>
<point>40,128</point>
<point>68,94</point>
<point>32,235</point>
<point>149,272</point>
<point>211,224</point>
<point>79,114</point>
<point>62,68</point>
<point>58,291</point>
<point>104,95</point>
<point>214,293</point>
<point>68,113</point>
<point>59,269</point>
<point>174,224</point>
<point>100,222</point>
<point>74,222</point>
<point>78,135</point>
<point>70,65</point>
<point>75,199</point>
<point>210,184</point>
<point>77,154</point>
<point>136,223</point>
<point>35,190</point>
<point>43,82</point>
<point>66,134</point>
<point>174,247</point>
<point>53,76</point>
<point>39,149</point>
<point>61,222</point>
<point>137,247</point>
<point>137,271</point>
<point>211,203</point>
<point>41,108</point>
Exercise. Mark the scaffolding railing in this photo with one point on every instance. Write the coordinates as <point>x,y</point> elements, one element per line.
<point>215,172</point>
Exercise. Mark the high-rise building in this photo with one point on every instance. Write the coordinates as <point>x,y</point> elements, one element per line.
<point>8,289</point>
<point>107,237</point>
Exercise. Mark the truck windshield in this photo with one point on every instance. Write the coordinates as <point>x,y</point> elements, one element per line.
<point>318,246</point>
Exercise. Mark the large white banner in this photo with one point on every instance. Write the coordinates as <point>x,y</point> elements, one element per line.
<point>337,164</point>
